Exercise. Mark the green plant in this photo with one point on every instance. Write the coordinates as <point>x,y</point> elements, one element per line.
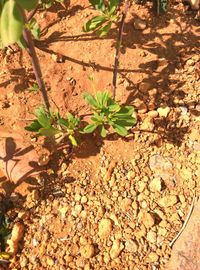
<point>103,22</point>
<point>49,3</point>
<point>51,124</point>
<point>106,113</point>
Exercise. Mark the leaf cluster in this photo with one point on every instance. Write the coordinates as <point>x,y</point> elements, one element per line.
<point>4,231</point>
<point>102,23</point>
<point>106,113</point>
<point>50,124</point>
<point>48,3</point>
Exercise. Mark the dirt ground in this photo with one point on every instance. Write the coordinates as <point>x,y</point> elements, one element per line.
<point>115,203</point>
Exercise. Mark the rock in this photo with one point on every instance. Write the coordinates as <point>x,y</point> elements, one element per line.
<point>155,185</point>
<point>23,261</point>
<point>147,219</point>
<point>151,237</point>
<point>49,261</point>
<point>161,167</point>
<point>87,251</point>
<point>141,186</point>
<point>145,86</point>
<point>147,124</point>
<point>87,267</point>
<point>131,246</point>
<point>194,135</point>
<point>163,112</point>
<point>140,105</point>
<point>116,249</point>
<point>190,62</point>
<point>125,204</point>
<point>105,228</point>
<point>84,199</point>
<point>168,201</point>
<point>16,235</point>
<point>139,24</point>
<point>153,114</point>
<point>153,257</point>
<point>77,210</point>
<point>44,159</point>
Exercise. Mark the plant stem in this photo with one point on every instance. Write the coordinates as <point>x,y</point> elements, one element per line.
<point>119,42</point>
<point>36,65</point>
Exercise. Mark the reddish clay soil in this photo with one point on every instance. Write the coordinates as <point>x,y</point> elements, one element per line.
<point>139,189</point>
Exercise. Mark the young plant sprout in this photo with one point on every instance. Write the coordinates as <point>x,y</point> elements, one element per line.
<point>106,113</point>
<point>50,124</point>
<point>103,22</point>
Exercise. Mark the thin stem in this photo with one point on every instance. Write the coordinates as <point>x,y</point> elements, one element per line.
<point>36,65</point>
<point>119,42</point>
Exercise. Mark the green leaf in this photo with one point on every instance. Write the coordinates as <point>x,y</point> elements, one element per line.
<point>102,32</point>
<point>98,4</point>
<point>126,122</point>
<point>49,132</point>
<point>34,126</point>
<point>11,23</point>
<point>42,117</point>
<point>120,130</point>
<point>126,110</point>
<point>94,23</point>
<point>35,29</point>
<point>102,98</point>
<point>63,122</point>
<point>27,4</point>
<point>114,108</point>
<point>103,131</point>
<point>113,5</point>
<point>73,140</point>
<point>90,128</point>
<point>90,100</point>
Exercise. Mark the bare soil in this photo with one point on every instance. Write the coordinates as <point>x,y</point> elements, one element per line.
<point>141,187</point>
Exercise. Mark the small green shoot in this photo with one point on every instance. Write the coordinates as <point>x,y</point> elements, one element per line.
<point>106,113</point>
<point>48,3</point>
<point>103,22</point>
<point>4,233</point>
<point>52,124</point>
<point>34,88</point>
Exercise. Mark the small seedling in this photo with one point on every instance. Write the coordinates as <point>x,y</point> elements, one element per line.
<point>48,3</point>
<point>33,88</point>
<point>106,113</point>
<point>103,22</point>
<point>51,124</point>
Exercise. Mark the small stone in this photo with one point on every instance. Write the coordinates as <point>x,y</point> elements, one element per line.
<point>50,261</point>
<point>162,231</point>
<point>153,257</point>
<point>194,135</point>
<point>147,219</point>
<point>153,114</point>
<point>23,261</point>
<point>163,112</point>
<point>77,210</point>
<point>145,86</point>
<point>141,186</point>
<point>125,204</point>
<point>151,237</point>
<point>190,62</point>
<point>43,159</point>
<point>131,246</point>
<point>168,201</point>
<point>155,185</point>
<point>140,105</point>
<point>147,124</point>
<point>116,249</point>
<point>139,24</point>
<point>105,228</point>
<point>84,199</point>
<point>87,251</point>
<point>87,267</point>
